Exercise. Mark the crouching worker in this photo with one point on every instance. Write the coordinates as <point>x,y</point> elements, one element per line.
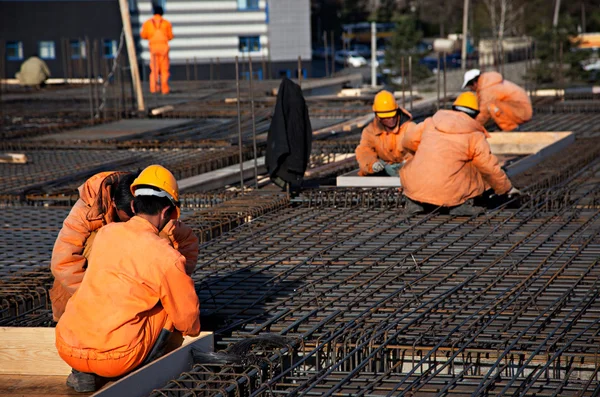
<point>135,292</point>
<point>452,161</point>
<point>380,151</point>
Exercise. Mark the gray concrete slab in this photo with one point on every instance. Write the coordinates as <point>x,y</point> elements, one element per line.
<point>117,129</point>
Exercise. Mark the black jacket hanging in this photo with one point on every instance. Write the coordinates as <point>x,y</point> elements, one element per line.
<point>290,136</point>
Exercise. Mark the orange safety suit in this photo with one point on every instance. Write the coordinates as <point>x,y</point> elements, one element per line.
<point>158,31</point>
<point>92,211</point>
<point>135,285</point>
<point>505,102</point>
<point>377,143</point>
<point>452,161</point>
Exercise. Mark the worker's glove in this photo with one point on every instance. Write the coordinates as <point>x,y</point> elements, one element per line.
<point>378,166</point>
<point>514,192</point>
<point>393,169</point>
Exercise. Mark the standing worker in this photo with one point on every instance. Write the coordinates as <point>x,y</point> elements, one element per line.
<point>505,102</point>
<point>34,72</point>
<point>104,198</point>
<point>135,293</point>
<point>380,150</point>
<point>158,31</point>
<point>452,161</point>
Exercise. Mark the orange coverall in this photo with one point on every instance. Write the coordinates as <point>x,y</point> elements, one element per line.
<point>452,161</point>
<point>505,102</point>
<point>376,143</point>
<point>135,284</point>
<point>92,211</point>
<point>158,31</point>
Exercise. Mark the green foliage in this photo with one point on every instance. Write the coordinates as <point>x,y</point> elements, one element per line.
<point>354,11</point>
<point>385,12</point>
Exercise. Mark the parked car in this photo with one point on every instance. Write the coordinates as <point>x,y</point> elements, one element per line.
<point>350,58</point>
<point>431,61</point>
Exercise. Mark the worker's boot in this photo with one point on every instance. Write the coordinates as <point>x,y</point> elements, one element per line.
<point>412,207</point>
<point>466,209</point>
<point>82,382</point>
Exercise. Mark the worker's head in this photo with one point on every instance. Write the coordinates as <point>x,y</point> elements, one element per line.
<point>156,193</point>
<point>123,198</point>
<point>386,109</point>
<point>467,103</point>
<point>471,79</point>
<point>158,10</point>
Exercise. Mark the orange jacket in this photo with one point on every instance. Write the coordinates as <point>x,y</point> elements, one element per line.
<point>158,31</point>
<point>452,161</point>
<point>131,271</point>
<point>376,143</point>
<point>93,210</point>
<point>505,102</point>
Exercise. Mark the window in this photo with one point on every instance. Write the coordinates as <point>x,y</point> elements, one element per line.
<point>78,49</point>
<point>110,49</point>
<point>14,50</point>
<point>46,50</point>
<point>249,43</point>
<point>248,5</point>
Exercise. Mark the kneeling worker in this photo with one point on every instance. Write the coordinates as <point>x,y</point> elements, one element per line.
<point>134,292</point>
<point>505,102</point>
<point>380,150</point>
<point>452,161</point>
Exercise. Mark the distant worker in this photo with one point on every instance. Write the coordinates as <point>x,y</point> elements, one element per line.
<point>104,198</point>
<point>452,161</point>
<point>380,150</point>
<point>135,293</point>
<point>34,72</point>
<point>158,31</point>
<point>505,102</point>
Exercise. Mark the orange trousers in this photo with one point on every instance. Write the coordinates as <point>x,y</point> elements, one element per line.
<point>111,364</point>
<point>159,68</point>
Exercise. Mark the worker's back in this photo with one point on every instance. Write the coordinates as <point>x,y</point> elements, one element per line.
<point>34,71</point>
<point>158,31</point>
<point>452,159</point>
<point>502,100</point>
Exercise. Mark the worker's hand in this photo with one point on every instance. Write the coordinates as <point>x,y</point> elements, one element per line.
<point>514,192</point>
<point>393,169</point>
<point>378,166</point>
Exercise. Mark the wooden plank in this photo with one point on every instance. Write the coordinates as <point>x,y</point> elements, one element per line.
<point>36,386</point>
<point>159,372</point>
<point>13,158</point>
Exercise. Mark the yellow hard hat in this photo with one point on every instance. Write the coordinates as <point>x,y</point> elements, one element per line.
<point>467,100</point>
<point>385,105</point>
<point>158,177</point>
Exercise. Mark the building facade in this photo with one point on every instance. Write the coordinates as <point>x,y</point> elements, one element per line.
<point>209,34</point>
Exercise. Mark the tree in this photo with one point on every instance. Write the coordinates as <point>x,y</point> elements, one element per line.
<point>354,11</point>
<point>403,43</point>
<point>385,12</point>
<point>505,19</point>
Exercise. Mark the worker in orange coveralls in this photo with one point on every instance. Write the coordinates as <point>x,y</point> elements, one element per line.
<point>504,102</point>
<point>104,198</point>
<point>452,162</point>
<point>135,293</point>
<point>158,31</point>
<point>380,150</point>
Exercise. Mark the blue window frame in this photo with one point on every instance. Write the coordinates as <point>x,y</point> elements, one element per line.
<point>14,50</point>
<point>256,75</point>
<point>78,50</point>
<point>110,49</point>
<point>47,50</point>
<point>248,5</point>
<point>249,43</point>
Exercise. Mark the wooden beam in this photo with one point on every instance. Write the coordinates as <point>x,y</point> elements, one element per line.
<point>13,158</point>
<point>133,65</point>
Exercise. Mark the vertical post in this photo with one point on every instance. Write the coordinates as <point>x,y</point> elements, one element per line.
<point>253,123</point>
<point>326,54</point>
<point>299,70</point>
<point>402,76</point>
<point>218,69</point>
<point>583,23</point>
<point>332,53</point>
<point>187,69</point>
<point>264,66</point>
<point>211,69</point>
<point>270,68</point>
<point>445,91</point>
<point>465,27</point>
<point>195,69</point>
<point>96,71</point>
<point>63,50</point>
<point>133,65</point>
<point>89,74</point>
<point>373,54</point>
<point>239,117</point>
<point>560,70</point>
<point>438,81</point>
<point>556,11</point>
<point>410,92</point>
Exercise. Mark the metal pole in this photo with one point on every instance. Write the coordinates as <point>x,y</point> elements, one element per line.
<point>187,69</point>
<point>326,54</point>
<point>135,73</point>
<point>438,81</point>
<point>463,56</point>
<point>211,69</point>
<point>253,122</point>
<point>410,81</point>
<point>96,72</point>
<point>299,70</point>
<point>218,69</point>
<point>239,116</point>
<point>403,85</point>
<point>332,53</point>
<point>195,69</point>
<point>556,11</point>
<point>560,70</point>
<point>89,74</point>
<point>264,67</point>
<point>445,91</point>
<point>373,54</point>
<point>63,48</point>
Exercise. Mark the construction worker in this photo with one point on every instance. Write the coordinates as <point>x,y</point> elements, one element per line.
<point>158,31</point>
<point>504,102</point>
<point>34,72</point>
<point>380,150</point>
<point>452,161</point>
<point>135,293</point>
<point>103,199</point>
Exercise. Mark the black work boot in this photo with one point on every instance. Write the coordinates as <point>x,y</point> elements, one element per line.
<point>82,382</point>
<point>466,209</point>
<point>412,207</point>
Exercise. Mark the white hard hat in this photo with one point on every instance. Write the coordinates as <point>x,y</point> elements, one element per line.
<point>470,75</point>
